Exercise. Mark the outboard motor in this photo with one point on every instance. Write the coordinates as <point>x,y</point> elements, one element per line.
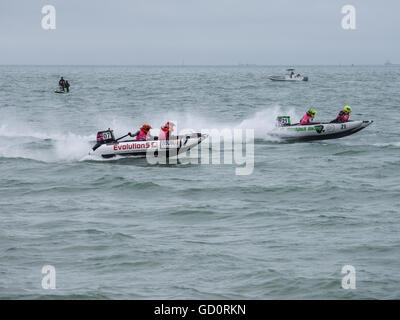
<point>103,137</point>
<point>282,121</point>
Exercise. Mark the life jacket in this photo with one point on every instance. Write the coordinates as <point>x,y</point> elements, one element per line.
<point>164,133</point>
<point>343,116</point>
<point>306,119</point>
<point>142,136</point>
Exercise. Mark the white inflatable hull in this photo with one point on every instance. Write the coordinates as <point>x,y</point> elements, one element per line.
<point>318,131</point>
<point>133,148</point>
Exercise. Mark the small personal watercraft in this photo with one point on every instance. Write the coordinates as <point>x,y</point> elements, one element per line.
<point>107,146</point>
<point>60,90</point>
<point>290,76</point>
<point>286,131</point>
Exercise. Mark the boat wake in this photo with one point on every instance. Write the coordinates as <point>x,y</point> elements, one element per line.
<point>22,139</point>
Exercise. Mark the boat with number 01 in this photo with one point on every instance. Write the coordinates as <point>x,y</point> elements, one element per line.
<point>107,146</point>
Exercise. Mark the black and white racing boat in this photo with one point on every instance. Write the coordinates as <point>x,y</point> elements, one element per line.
<point>107,146</point>
<point>317,131</point>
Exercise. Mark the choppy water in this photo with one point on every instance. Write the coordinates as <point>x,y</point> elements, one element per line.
<point>126,229</point>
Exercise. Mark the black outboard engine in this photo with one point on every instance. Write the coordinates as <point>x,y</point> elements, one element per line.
<point>103,137</point>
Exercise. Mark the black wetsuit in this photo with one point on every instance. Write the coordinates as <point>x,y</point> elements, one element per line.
<point>67,85</point>
<point>61,83</point>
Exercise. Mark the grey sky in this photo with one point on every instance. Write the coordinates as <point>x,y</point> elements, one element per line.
<point>288,32</point>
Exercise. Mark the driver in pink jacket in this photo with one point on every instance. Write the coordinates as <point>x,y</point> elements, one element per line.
<point>143,133</point>
<point>308,118</point>
<point>166,131</point>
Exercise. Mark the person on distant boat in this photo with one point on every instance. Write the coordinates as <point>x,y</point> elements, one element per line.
<point>165,132</point>
<point>143,133</point>
<point>61,83</point>
<point>343,115</point>
<point>308,118</point>
<point>291,75</point>
<point>67,85</point>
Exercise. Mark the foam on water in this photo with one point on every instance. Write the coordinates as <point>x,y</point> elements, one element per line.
<point>23,141</point>
<point>69,146</point>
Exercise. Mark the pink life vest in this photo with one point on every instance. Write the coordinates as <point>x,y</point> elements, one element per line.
<point>343,116</point>
<point>306,119</point>
<point>163,135</point>
<point>142,136</point>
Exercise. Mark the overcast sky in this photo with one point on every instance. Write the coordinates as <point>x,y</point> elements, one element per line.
<point>199,32</point>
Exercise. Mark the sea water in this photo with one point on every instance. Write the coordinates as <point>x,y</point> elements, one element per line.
<point>127,229</point>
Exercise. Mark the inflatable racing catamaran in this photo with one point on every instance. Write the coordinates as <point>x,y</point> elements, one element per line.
<point>286,131</point>
<point>107,146</point>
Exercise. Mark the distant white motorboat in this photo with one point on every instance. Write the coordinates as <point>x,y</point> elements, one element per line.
<point>290,76</point>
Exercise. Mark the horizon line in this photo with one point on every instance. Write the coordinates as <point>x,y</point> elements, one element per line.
<point>193,65</point>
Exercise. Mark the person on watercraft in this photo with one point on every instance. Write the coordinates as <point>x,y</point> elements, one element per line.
<point>67,85</point>
<point>165,132</point>
<point>170,124</point>
<point>61,83</point>
<point>343,115</point>
<point>143,133</point>
<point>308,118</point>
<point>291,74</point>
